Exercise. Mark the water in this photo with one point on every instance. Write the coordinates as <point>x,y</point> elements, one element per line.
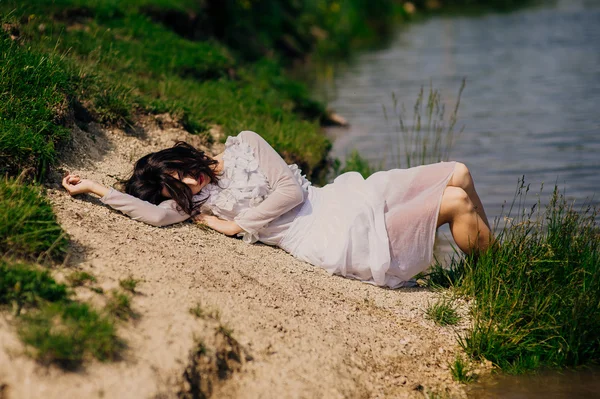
<point>552,385</point>
<point>531,105</point>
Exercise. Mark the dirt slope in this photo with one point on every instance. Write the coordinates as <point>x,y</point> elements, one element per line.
<point>301,332</point>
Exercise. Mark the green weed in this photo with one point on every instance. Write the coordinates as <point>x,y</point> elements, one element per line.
<point>79,278</point>
<point>67,334</point>
<point>225,330</point>
<point>356,163</point>
<point>443,313</point>
<point>97,290</point>
<point>197,311</point>
<point>28,227</point>
<point>24,285</point>
<point>119,305</point>
<point>427,137</point>
<point>129,284</point>
<point>34,91</point>
<point>461,371</point>
<point>440,277</point>
<point>202,313</point>
<point>537,293</point>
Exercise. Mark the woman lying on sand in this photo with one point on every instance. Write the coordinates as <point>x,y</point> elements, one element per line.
<point>380,230</point>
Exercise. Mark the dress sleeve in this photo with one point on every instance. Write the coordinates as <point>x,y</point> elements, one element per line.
<point>157,215</point>
<point>286,192</point>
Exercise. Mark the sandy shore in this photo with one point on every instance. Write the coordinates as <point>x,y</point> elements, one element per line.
<point>301,332</point>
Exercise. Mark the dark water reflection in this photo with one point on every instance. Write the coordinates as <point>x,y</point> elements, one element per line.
<point>564,385</point>
<point>531,105</point>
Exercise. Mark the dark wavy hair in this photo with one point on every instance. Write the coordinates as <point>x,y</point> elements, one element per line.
<point>152,173</point>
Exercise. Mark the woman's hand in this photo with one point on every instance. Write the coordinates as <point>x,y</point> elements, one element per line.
<point>226,227</point>
<point>76,185</point>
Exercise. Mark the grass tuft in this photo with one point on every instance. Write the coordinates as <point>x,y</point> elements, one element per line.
<point>129,284</point>
<point>356,163</point>
<point>119,305</point>
<point>200,312</point>
<point>461,371</point>
<point>443,313</point>
<point>33,94</point>
<point>24,285</point>
<point>28,227</point>
<point>79,278</point>
<point>440,277</point>
<point>112,106</point>
<point>97,290</point>
<point>66,334</point>
<point>537,293</point>
<point>225,330</point>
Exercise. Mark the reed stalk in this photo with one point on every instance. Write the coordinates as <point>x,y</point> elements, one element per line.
<point>428,136</point>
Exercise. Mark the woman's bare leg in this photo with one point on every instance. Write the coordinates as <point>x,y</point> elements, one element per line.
<point>469,230</point>
<point>462,178</point>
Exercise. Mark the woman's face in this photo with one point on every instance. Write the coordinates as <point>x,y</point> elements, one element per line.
<point>194,184</point>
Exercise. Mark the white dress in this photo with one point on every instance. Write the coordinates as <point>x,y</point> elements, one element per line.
<point>380,230</point>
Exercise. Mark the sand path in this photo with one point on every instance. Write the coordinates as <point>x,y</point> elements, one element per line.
<point>303,333</point>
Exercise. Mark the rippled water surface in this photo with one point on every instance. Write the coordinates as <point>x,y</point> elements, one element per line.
<point>531,105</point>
<point>557,385</point>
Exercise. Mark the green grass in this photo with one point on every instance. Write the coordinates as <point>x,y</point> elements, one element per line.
<point>442,312</point>
<point>198,311</point>
<point>28,227</point>
<point>117,63</point>
<point>79,278</point>
<point>356,163</point>
<point>129,284</point>
<point>34,97</point>
<point>201,312</point>
<point>97,290</point>
<point>225,330</point>
<point>118,305</point>
<point>108,61</point>
<point>439,277</point>
<point>461,372</point>
<point>24,285</point>
<point>54,328</point>
<point>65,334</point>
<point>537,295</point>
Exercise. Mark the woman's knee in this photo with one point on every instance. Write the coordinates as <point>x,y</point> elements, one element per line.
<point>455,202</point>
<point>458,200</point>
<point>462,176</point>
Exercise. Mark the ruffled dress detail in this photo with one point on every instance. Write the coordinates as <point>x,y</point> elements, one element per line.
<point>242,186</point>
